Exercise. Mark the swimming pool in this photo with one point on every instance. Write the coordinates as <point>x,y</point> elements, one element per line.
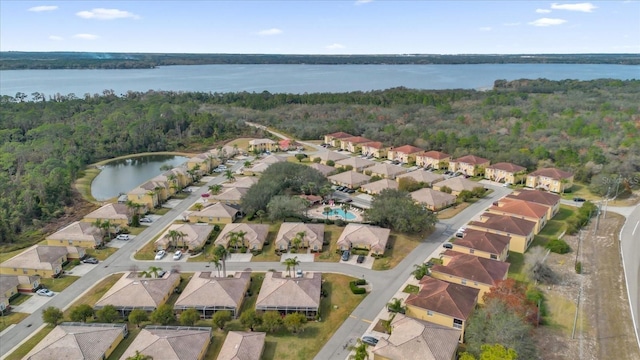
<point>346,215</point>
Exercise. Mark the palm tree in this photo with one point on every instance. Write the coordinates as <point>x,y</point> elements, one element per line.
<point>360,349</point>
<point>210,158</point>
<point>198,206</point>
<point>395,305</point>
<point>247,163</point>
<point>298,239</point>
<point>215,189</point>
<point>152,271</point>
<point>229,175</point>
<point>173,236</point>
<point>104,226</point>
<point>223,254</point>
<point>327,210</point>
<point>311,186</point>
<point>216,262</point>
<point>420,270</point>
<point>139,356</point>
<point>235,238</point>
<point>291,263</point>
<point>345,208</point>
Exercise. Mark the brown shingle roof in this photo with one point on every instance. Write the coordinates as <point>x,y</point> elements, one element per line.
<point>170,343</point>
<point>508,167</point>
<point>473,268</point>
<point>242,345</point>
<point>458,184</point>
<point>195,235</point>
<point>507,224</point>
<point>552,173</point>
<point>356,162</point>
<point>387,170</point>
<point>471,160</point>
<point>204,290</point>
<point>374,144</point>
<point>536,196</point>
<point>378,186</point>
<point>217,210</point>
<point>445,298</point>
<point>242,182</point>
<point>330,155</point>
<point>407,149</point>
<point>520,208</point>
<point>279,292</point>
<point>351,178</point>
<point>356,140</point>
<point>438,155</point>
<point>483,241</point>
<point>339,135</point>
<point>77,341</point>
<point>110,211</point>
<point>230,194</point>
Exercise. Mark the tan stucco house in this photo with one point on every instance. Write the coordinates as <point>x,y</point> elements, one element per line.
<point>550,179</point>
<point>359,236</point>
<point>520,231</point>
<point>505,172</point>
<point>469,165</point>
<point>433,160</point>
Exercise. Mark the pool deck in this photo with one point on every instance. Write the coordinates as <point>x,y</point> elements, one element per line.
<point>317,212</point>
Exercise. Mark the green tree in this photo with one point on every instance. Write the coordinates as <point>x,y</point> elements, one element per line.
<point>395,305</point>
<point>229,176</point>
<point>221,318</point>
<point>189,317</point>
<point>139,356</point>
<point>294,322</point>
<point>174,236</point>
<point>261,214</point>
<point>216,263</point>
<point>271,321</point>
<point>215,189</point>
<point>222,254</point>
<point>360,351</point>
<point>250,319</point>
<point>81,313</point>
<point>281,207</point>
<point>327,211</point>
<point>153,271</point>
<point>52,315</point>
<point>396,210</point>
<point>300,157</point>
<point>107,314</point>
<point>291,263</point>
<point>497,352</point>
<point>163,315</point>
<point>137,316</point>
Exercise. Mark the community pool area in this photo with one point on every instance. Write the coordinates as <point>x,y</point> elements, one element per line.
<point>346,215</point>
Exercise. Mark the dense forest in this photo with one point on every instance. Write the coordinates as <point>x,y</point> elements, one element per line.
<point>591,128</point>
<point>83,60</point>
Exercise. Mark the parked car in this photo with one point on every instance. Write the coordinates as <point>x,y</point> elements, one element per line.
<point>206,195</point>
<point>177,255</point>
<point>45,292</point>
<point>579,199</point>
<point>360,259</point>
<point>351,191</point>
<point>123,237</point>
<point>90,260</point>
<point>348,200</point>
<point>160,254</point>
<point>145,220</point>
<point>299,273</point>
<point>370,340</point>
<point>346,255</point>
<point>447,245</point>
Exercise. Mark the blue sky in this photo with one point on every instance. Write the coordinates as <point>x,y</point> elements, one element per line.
<point>321,27</point>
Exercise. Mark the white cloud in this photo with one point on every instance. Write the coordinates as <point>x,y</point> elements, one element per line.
<point>106,14</point>
<point>270,32</point>
<point>543,11</point>
<point>582,7</point>
<point>335,46</point>
<point>547,22</point>
<point>86,36</point>
<point>360,2</point>
<point>485,28</point>
<point>55,37</point>
<point>43,8</point>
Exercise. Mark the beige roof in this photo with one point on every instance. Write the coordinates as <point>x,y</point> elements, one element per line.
<point>426,177</point>
<point>471,160</point>
<point>111,212</point>
<point>170,343</point>
<point>134,291</point>
<point>377,186</point>
<point>242,182</point>
<point>324,169</point>
<point>255,234</point>
<point>387,170</point>
<point>206,290</point>
<point>217,210</point>
<point>356,162</point>
<point>230,194</point>
<point>433,198</point>
<point>330,155</point>
<point>261,141</point>
<point>145,188</point>
<point>458,184</point>
<point>79,230</point>
<point>415,339</point>
<point>258,167</point>
<point>407,149</point>
<point>369,236</point>
<point>8,282</point>
<point>279,292</point>
<point>195,235</point>
<point>351,178</point>
<point>225,150</point>
<point>39,257</point>
<point>77,341</point>
<point>273,159</point>
<point>242,345</point>
<point>508,167</point>
<point>314,233</point>
<point>436,155</point>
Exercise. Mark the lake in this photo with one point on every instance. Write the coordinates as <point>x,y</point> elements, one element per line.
<point>296,78</point>
<point>121,176</point>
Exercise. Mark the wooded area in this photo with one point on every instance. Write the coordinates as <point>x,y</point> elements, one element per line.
<point>591,128</point>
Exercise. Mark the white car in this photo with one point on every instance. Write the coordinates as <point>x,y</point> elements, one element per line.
<point>160,254</point>
<point>177,255</point>
<point>123,237</point>
<point>45,292</point>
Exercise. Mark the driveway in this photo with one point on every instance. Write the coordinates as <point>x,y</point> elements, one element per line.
<point>115,243</point>
<point>170,204</point>
<point>81,269</point>
<point>33,304</point>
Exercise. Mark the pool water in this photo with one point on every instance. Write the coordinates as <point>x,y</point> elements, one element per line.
<point>347,215</point>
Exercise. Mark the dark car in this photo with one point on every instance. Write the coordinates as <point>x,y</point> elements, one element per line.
<point>579,199</point>
<point>346,255</point>
<point>351,191</point>
<point>370,340</point>
<point>90,260</point>
<point>360,259</point>
<point>348,200</point>
<point>447,246</point>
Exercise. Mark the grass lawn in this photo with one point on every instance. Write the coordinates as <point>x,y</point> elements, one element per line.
<point>331,235</point>
<point>184,280</point>
<point>401,244</point>
<point>59,284</point>
<point>160,211</point>
<point>124,344</point>
<point>137,230</point>
<point>448,213</point>
<point>580,190</point>
<point>4,256</point>
<point>411,289</point>
<point>29,344</point>
<point>92,297</point>
<point>148,251</point>
<point>555,227</point>
<point>269,251</point>
<point>516,269</point>
<point>19,299</point>
<point>11,318</point>
<point>101,254</point>
<point>561,313</point>
<point>243,143</point>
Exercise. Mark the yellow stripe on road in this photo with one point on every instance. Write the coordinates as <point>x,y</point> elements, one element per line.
<point>367,321</point>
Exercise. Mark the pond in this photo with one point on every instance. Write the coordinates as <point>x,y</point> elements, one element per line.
<point>121,176</point>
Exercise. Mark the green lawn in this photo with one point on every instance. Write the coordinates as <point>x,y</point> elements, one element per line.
<point>516,269</point>
<point>19,299</point>
<point>4,256</point>
<point>11,318</point>
<point>98,290</point>
<point>101,254</point>
<point>411,289</point>
<point>401,244</point>
<point>29,344</point>
<point>59,284</point>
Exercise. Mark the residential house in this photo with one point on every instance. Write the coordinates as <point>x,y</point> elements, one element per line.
<point>433,160</point>
<point>8,290</point>
<point>288,295</point>
<point>171,343</point>
<point>23,283</point>
<point>376,187</point>
<point>242,345</point>
<point>350,179</point>
<point>359,236</point>
<point>457,185</point>
<point>353,144</point>
<point>218,213</point>
<point>443,303</point>
<point>335,138</point>
<point>356,163</point>
<point>522,209</point>
<point>253,239</point>
<point>229,195</point>
<point>243,182</point>
<point>193,236</point>
<point>288,145</point>
<point>332,156</point>
<point>520,231</point>
<point>79,233</point>
<point>421,177</point>
<point>262,145</point>
<point>385,170</point>
<point>273,159</point>
<point>405,154</point>
<point>483,244</point>
<point>135,291</point>
<point>225,152</point>
<point>257,169</point>
<point>87,341</point>
<point>374,148</point>
<point>201,163</point>
<point>432,199</point>
<point>412,338</point>
<point>550,179</point>
<point>472,271</point>
<point>116,214</point>
<point>207,293</point>
<point>505,172</point>
<point>323,169</point>
<point>311,236</point>
<point>470,165</point>
<point>44,261</point>
<point>148,194</point>
<point>551,201</point>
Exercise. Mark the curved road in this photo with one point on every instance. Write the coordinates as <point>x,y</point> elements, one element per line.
<point>630,252</point>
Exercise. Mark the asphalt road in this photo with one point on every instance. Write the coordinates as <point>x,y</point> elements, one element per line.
<point>630,248</point>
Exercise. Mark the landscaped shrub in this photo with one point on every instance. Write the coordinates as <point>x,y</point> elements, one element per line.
<point>578,267</point>
<point>328,222</point>
<point>361,282</point>
<point>341,223</point>
<point>558,246</point>
<point>355,289</point>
